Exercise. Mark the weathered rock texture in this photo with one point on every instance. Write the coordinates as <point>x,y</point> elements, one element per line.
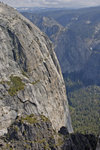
<point>30,132</point>
<point>36,133</point>
<point>30,77</point>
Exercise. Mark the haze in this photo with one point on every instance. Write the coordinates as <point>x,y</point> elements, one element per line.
<point>52,3</point>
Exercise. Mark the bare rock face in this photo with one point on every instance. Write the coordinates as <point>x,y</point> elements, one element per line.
<point>30,77</point>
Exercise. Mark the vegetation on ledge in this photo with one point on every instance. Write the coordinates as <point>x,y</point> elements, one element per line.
<point>32,119</point>
<point>15,84</point>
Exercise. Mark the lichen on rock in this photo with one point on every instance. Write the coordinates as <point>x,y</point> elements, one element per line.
<point>15,84</point>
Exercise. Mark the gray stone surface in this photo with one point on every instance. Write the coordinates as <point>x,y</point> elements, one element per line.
<point>27,54</point>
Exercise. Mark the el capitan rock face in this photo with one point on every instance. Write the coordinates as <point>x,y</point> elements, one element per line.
<point>30,77</point>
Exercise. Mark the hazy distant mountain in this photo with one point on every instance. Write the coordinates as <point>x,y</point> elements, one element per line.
<point>38,9</point>
<point>75,34</point>
<point>47,24</point>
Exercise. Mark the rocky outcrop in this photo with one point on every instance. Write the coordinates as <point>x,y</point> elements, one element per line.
<point>35,132</point>
<point>30,132</point>
<point>30,76</point>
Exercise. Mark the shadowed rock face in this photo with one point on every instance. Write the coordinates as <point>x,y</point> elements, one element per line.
<point>35,132</point>
<point>30,76</point>
<point>98,144</point>
<point>80,142</point>
<point>30,132</point>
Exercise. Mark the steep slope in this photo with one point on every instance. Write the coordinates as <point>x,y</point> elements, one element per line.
<point>77,46</point>
<point>30,76</point>
<point>70,48</point>
<point>47,24</point>
<point>71,51</point>
<point>77,38</point>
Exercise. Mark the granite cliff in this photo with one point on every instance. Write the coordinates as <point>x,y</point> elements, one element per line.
<point>31,81</point>
<point>33,104</point>
<point>76,37</point>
